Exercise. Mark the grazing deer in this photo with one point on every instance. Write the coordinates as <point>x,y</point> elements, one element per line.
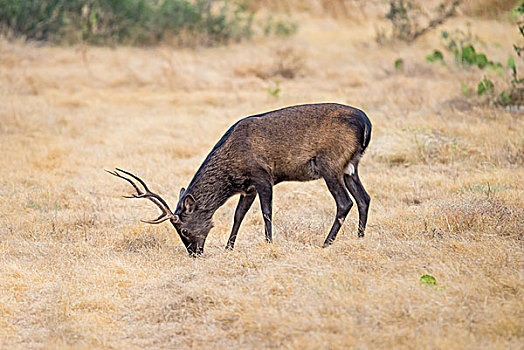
<point>298,143</point>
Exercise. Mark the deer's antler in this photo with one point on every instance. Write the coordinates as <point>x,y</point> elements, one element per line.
<point>167,214</point>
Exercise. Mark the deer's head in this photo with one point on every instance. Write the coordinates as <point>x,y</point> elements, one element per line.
<point>191,225</point>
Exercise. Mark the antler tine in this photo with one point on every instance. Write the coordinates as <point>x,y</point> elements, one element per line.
<point>153,197</point>
<point>148,193</point>
<point>114,173</point>
<point>158,220</point>
<point>134,177</point>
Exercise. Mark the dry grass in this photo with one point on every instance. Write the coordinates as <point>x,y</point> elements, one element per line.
<point>488,8</point>
<point>78,270</point>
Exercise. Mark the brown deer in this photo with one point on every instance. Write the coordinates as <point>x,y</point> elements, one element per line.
<point>298,143</point>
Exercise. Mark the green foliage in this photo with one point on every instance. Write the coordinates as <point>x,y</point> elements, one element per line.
<point>511,65</point>
<point>279,27</point>
<point>513,95</point>
<point>135,22</point>
<point>519,11</point>
<point>461,45</point>
<point>485,87</point>
<point>38,19</point>
<point>467,55</point>
<point>275,91</point>
<point>428,280</point>
<point>435,56</point>
<point>399,64</point>
<point>504,98</point>
<point>465,90</point>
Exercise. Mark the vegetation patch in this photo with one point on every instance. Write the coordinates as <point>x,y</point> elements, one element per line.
<point>476,216</point>
<point>462,46</point>
<point>133,22</point>
<point>410,21</point>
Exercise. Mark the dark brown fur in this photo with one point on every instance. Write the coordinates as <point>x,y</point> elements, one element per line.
<point>298,143</point>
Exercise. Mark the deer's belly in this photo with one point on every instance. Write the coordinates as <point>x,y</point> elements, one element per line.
<point>297,172</point>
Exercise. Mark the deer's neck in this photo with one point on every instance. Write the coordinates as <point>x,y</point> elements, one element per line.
<point>211,186</point>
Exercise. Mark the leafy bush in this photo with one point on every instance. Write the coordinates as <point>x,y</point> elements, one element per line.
<point>125,21</point>
<point>461,44</point>
<point>465,54</point>
<point>515,94</point>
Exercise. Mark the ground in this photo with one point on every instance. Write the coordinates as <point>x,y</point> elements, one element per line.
<point>79,270</point>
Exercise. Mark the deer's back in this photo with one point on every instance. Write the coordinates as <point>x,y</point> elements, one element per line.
<point>297,143</point>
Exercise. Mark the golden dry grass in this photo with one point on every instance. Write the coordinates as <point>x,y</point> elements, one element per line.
<point>78,269</point>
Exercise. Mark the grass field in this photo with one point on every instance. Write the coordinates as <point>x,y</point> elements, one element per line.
<point>445,173</point>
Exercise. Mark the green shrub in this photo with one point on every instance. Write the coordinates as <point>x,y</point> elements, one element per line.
<point>435,56</point>
<point>40,20</point>
<point>514,95</point>
<point>461,45</point>
<point>135,22</point>
<point>485,87</point>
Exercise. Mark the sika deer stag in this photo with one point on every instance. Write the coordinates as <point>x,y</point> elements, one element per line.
<point>298,143</point>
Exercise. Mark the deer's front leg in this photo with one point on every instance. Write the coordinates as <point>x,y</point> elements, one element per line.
<point>243,206</point>
<point>265,193</point>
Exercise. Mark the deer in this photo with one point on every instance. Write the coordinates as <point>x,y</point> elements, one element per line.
<point>297,143</point>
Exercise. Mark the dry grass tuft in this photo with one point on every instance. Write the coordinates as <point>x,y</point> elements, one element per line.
<point>485,216</point>
<point>287,62</point>
<point>488,8</point>
<point>340,9</point>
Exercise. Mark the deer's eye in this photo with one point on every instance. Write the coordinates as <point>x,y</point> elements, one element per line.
<point>184,231</point>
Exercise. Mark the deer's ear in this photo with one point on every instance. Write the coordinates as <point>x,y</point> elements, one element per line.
<point>182,190</point>
<point>189,203</point>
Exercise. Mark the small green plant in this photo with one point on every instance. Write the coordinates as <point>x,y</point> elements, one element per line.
<point>399,64</point>
<point>511,65</point>
<point>436,56</point>
<point>485,86</point>
<point>279,27</point>
<point>504,98</point>
<point>428,280</point>
<point>465,90</point>
<point>275,91</point>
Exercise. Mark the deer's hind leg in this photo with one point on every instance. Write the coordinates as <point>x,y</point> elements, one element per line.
<point>265,194</point>
<point>362,198</point>
<point>344,204</point>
